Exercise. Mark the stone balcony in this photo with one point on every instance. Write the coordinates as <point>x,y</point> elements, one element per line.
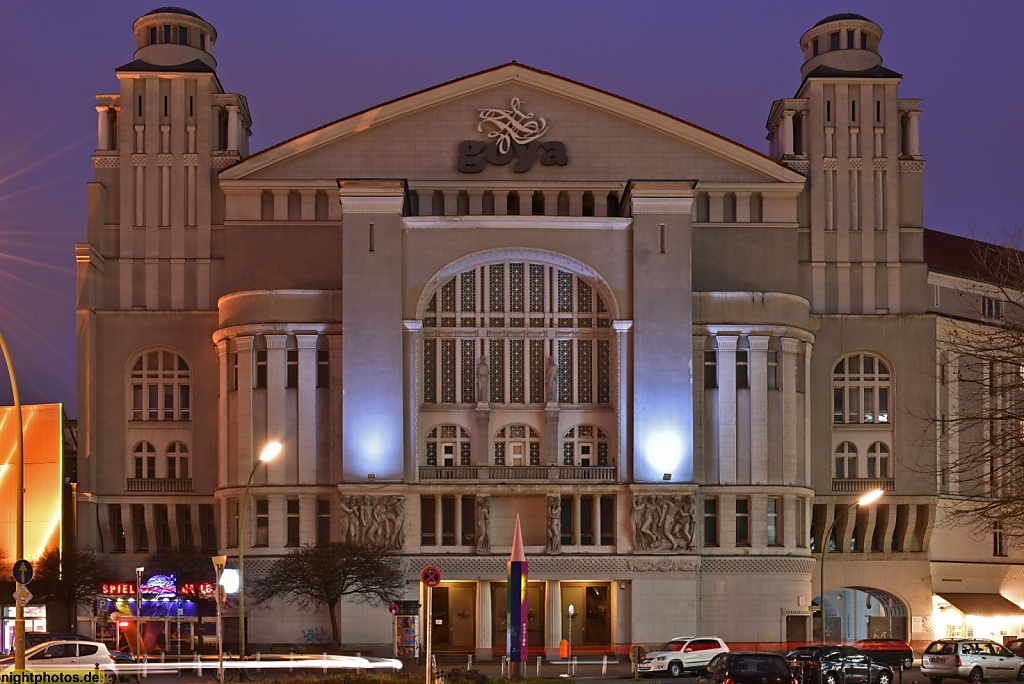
<point>519,473</point>
<point>155,484</point>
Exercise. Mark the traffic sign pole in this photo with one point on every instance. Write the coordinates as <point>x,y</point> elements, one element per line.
<point>430,577</point>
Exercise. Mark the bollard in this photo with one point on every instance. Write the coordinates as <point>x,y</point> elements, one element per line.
<point>469,662</point>
<point>575,659</point>
<point>538,667</point>
<point>325,661</point>
<point>291,659</point>
<point>504,660</point>
<point>198,669</point>
<point>604,666</point>
<point>145,665</point>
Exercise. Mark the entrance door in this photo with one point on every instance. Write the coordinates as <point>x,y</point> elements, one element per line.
<point>454,618</point>
<point>591,621</point>
<point>536,616</point>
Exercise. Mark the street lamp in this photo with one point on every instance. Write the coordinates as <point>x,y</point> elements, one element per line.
<point>270,451</point>
<point>218,568</point>
<point>868,498</point>
<point>572,612</point>
<point>138,612</point>
<point>19,546</point>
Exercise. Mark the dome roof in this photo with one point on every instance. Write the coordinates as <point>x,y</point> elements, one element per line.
<point>174,10</point>
<point>842,16</point>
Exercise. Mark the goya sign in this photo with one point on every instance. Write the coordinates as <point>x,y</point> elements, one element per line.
<point>512,135</point>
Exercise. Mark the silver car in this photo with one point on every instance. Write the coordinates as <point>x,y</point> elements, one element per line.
<point>976,660</point>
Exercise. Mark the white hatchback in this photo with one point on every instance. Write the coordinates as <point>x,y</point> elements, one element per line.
<point>681,655</point>
<point>68,654</point>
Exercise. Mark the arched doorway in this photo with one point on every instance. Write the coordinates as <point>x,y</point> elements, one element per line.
<point>853,613</point>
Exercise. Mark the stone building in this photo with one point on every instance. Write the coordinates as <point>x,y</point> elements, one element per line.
<point>678,360</point>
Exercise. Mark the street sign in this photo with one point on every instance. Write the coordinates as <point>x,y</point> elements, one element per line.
<point>22,571</point>
<point>22,595</point>
<point>393,609</point>
<point>431,576</point>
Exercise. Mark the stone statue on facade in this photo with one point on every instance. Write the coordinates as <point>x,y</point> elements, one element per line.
<point>663,523</point>
<point>482,380</point>
<point>551,380</point>
<point>483,524</point>
<point>554,524</point>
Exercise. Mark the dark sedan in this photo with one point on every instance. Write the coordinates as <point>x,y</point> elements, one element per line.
<point>892,652</point>
<point>747,668</point>
<point>834,664</point>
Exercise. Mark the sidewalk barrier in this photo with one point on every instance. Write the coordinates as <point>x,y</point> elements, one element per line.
<point>604,666</point>
<point>198,669</point>
<point>145,669</point>
<point>469,662</point>
<point>538,667</point>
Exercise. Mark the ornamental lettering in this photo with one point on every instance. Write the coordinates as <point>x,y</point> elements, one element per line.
<point>513,135</point>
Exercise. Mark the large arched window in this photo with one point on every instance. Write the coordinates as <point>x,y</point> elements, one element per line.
<point>177,461</point>
<point>860,390</point>
<point>517,445</point>
<point>585,445</point>
<point>516,333</point>
<point>161,387</point>
<point>449,445</point>
<point>145,461</point>
<point>846,461</point>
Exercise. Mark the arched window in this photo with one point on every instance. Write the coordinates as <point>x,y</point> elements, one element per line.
<point>585,445</point>
<point>161,387</point>
<point>517,445</point>
<point>177,461</point>
<point>846,461</point>
<point>878,460</point>
<point>449,445</point>
<point>516,333</point>
<point>860,390</point>
<point>145,461</point>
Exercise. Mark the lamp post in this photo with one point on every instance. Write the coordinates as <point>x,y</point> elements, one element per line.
<point>218,568</point>
<point>572,613</point>
<point>138,612</point>
<point>270,451</point>
<point>19,546</point>
<point>868,498</point>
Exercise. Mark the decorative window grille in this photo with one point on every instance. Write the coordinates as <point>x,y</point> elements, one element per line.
<point>537,372</point>
<point>497,371</point>
<point>468,376</point>
<point>585,445</point>
<point>514,442</point>
<point>565,371</point>
<point>451,443</point>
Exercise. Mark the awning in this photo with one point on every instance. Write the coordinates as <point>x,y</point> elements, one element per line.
<point>983,605</point>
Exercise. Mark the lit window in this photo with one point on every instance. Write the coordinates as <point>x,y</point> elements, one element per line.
<point>585,445</point>
<point>449,446</point>
<point>517,445</point>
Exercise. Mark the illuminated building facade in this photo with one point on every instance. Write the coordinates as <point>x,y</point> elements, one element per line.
<point>675,358</point>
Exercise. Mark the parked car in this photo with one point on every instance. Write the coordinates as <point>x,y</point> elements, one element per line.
<point>681,655</point>
<point>36,638</point>
<point>747,668</point>
<point>835,664</point>
<point>975,660</point>
<point>68,654</point>
<point>1017,646</point>
<point>892,652</point>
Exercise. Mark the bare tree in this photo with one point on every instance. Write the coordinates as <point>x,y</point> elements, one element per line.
<point>980,421</point>
<point>321,575</point>
<point>189,567</point>
<point>71,580</point>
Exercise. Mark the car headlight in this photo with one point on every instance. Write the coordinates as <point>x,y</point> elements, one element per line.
<point>660,658</point>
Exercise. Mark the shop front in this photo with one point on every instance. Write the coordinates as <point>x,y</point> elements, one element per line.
<point>35,621</point>
<point>977,616</point>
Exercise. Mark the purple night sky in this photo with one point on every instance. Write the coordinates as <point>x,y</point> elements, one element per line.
<point>302,64</point>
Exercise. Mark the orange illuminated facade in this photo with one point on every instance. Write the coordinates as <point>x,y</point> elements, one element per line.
<point>44,451</point>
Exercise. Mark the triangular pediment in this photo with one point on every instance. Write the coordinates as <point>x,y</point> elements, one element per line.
<point>603,137</point>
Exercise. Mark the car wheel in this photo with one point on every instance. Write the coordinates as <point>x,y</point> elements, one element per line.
<point>1020,675</point>
<point>675,669</point>
<point>976,676</point>
<point>884,677</point>
<point>831,678</point>
<point>908,662</point>
<point>109,677</point>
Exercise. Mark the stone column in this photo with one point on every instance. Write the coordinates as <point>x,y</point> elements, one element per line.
<point>622,376</point>
<point>787,133</point>
<point>791,434</point>
<point>243,443</point>
<point>759,408</point>
<point>411,390</point>
<point>224,371</point>
<point>727,408</point>
<point>276,471</point>
<point>913,137</point>
<point>103,128</point>
<point>233,127</point>
<point>307,410</point>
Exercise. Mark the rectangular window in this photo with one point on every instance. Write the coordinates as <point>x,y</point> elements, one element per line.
<point>262,523</point>
<point>233,526</point>
<point>711,522</point>
<point>137,408</point>
<point>202,41</point>
<point>233,375</point>
<point>567,509</point>
<point>291,380</point>
<point>742,369</point>
<point>163,527</point>
<point>292,534</point>
<point>586,520</point>
<point>815,49</point>
<point>773,369</point>
<point>710,369</point>
<point>323,521</point>
<point>153,409</point>
<point>998,547</point>
<point>152,35</point>
<point>607,520</point>
<point>428,521</point>
<point>139,533</point>
<point>448,537</point>
<point>853,111</point>
<point>183,518</point>
<point>468,520</point>
<point>182,35</point>
<point>168,402</point>
<point>117,528</point>
<point>849,39</point>
<point>260,377</point>
<point>992,308</point>
<point>208,527</point>
<point>801,527</point>
<point>774,507</point>
<point>742,522</point>
<point>151,466</point>
<point>184,402</point>
<point>167,33</point>
<point>323,369</point>
<point>833,40</point>
<point>828,110</point>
